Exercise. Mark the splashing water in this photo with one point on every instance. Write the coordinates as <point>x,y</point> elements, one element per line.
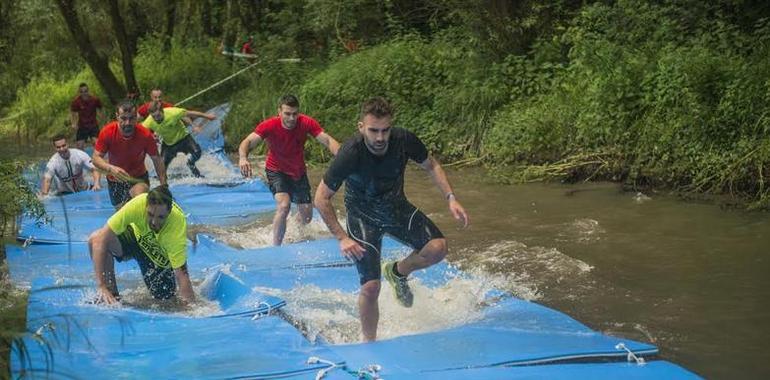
<point>259,234</point>
<point>333,315</point>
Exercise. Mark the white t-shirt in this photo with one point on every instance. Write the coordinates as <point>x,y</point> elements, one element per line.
<point>68,174</point>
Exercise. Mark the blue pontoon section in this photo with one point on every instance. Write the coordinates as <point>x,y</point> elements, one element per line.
<point>73,217</point>
<point>100,342</point>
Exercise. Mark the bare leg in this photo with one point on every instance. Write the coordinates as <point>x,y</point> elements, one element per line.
<point>430,254</point>
<point>282,208</point>
<point>369,309</point>
<point>305,214</point>
<point>138,188</point>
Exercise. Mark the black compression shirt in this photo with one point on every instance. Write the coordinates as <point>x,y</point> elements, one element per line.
<point>374,185</point>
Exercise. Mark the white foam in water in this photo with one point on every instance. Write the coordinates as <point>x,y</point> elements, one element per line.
<point>529,270</point>
<point>583,230</point>
<point>333,314</point>
<point>134,294</point>
<point>210,167</point>
<point>260,233</point>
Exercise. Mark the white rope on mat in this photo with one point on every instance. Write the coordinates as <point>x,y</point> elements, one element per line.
<point>631,356</point>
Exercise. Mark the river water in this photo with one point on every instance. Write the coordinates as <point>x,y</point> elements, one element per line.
<point>690,278</point>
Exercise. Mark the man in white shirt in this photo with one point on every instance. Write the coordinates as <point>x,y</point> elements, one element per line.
<point>67,165</point>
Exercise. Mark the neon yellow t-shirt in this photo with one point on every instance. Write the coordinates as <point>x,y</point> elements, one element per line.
<point>171,130</point>
<point>167,248</point>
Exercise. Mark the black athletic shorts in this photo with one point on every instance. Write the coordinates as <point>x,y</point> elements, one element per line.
<point>160,281</point>
<point>84,133</point>
<point>299,189</point>
<point>186,145</point>
<point>120,192</point>
<point>412,228</point>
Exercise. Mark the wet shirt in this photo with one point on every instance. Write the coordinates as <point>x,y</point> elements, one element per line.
<point>126,153</point>
<point>144,109</point>
<point>166,248</point>
<point>69,172</point>
<point>374,185</point>
<point>286,147</point>
<point>171,130</point>
<point>86,110</point>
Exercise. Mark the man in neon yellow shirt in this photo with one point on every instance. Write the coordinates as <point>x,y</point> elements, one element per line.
<point>152,229</point>
<point>168,124</point>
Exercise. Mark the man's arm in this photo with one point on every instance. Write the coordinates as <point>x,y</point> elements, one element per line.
<point>438,176</point>
<point>46,185</point>
<point>97,177</point>
<point>160,168</point>
<point>189,115</point>
<point>329,142</point>
<point>104,271</point>
<point>183,282</point>
<point>323,202</point>
<point>101,164</point>
<point>74,120</point>
<point>243,153</point>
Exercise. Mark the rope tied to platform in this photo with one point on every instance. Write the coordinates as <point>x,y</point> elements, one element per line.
<point>631,356</point>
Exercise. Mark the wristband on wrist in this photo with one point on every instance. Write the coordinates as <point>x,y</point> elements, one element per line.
<point>450,194</point>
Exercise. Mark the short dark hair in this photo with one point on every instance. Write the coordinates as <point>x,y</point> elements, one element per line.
<point>82,84</point>
<point>126,105</point>
<point>289,100</point>
<point>160,195</point>
<point>377,107</point>
<point>59,136</point>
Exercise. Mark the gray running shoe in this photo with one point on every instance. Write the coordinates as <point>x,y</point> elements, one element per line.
<point>400,285</point>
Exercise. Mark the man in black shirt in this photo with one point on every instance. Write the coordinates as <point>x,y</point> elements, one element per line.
<point>372,164</point>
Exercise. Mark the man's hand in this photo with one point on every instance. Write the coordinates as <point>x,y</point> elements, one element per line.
<point>211,116</point>
<point>245,166</point>
<point>119,173</point>
<point>458,212</point>
<point>96,186</point>
<point>351,249</point>
<point>104,295</point>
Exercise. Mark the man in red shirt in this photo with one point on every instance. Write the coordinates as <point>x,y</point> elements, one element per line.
<point>155,96</point>
<point>127,142</point>
<point>83,111</point>
<point>285,166</point>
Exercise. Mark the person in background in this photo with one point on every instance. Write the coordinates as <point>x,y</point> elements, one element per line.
<point>126,142</point>
<point>167,122</point>
<point>67,166</point>
<point>285,167</point>
<point>156,95</point>
<point>372,164</point>
<point>85,109</point>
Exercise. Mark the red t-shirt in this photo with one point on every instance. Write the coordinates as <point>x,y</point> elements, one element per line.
<point>246,48</point>
<point>124,153</point>
<point>86,110</point>
<point>286,148</point>
<point>144,109</point>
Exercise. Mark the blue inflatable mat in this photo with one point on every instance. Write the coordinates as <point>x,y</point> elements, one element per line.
<point>106,342</point>
<point>211,138</point>
<point>204,204</point>
<point>612,371</point>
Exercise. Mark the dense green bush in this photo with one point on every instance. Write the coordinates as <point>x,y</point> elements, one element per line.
<point>648,96</point>
<point>441,89</point>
